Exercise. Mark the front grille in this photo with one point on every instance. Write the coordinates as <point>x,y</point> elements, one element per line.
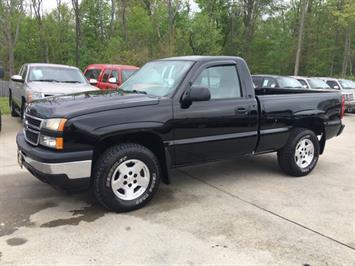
<point>32,127</point>
<point>33,122</point>
<point>32,136</point>
<point>349,97</point>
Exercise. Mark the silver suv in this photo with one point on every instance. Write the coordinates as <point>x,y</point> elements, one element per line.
<point>347,89</point>
<point>37,81</point>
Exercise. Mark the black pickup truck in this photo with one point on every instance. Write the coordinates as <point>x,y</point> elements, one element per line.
<point>172,112</point>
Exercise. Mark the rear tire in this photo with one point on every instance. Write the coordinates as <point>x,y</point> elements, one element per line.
<point>126,177</point>
<point>300,155</point>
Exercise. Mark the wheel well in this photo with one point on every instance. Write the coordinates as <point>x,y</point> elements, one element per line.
<point>316,125</point>
<point>149,140</point>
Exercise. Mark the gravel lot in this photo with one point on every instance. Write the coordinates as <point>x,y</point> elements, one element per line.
<point>235,212</point>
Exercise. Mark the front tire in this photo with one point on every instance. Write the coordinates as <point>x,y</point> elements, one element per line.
<point>12,107</point>
<point>126,177</point>
<point>300,155</point>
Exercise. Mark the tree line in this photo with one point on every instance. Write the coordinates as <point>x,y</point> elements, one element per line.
<point>305,37</point>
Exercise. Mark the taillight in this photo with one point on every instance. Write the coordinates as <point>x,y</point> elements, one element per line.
<point>342,107</point>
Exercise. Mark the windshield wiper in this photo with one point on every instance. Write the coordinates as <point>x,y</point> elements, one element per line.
<point>46,80</point>
<point>135,91</point>
<point>71,81</point>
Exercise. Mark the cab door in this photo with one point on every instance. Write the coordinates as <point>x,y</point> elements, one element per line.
<point>224,126</point>
<point>103,83</point>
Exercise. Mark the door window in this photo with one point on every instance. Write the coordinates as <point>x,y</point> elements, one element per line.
<point>333,84</point>
<point>269,83</point>
<point>304,84</point>
<point>106,75</point>
<point>222,81</point>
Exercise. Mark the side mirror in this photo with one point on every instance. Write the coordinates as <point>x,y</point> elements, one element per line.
<point>17,78</point>
<point>93,82</point>
<point>2,73</point>
<point>336,87</point>
<point>196,94</point>
<point>112,80</point>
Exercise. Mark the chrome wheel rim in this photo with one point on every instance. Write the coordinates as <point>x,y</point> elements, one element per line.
<point>130,179</point>
<point>304,153</point>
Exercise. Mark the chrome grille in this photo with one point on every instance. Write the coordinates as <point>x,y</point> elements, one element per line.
<point>32,127</point>
<point>349,97</point>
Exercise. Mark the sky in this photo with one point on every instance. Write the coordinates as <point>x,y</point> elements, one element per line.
<point>49,5</point>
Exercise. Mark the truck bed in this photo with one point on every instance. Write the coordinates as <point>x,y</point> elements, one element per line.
<point>279,112</point>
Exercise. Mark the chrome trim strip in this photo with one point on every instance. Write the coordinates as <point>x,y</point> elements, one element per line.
<point>72,170</point>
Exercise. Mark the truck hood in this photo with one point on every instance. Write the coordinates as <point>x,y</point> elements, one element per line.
<point>72,105</point>
<point>57,88</point>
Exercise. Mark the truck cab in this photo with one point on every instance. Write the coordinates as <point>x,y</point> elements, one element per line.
<point>107,76</point>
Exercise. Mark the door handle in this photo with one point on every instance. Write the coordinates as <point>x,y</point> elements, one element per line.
<point>241,110</point>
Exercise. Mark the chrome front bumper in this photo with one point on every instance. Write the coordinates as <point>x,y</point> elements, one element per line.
<point>73,170</point>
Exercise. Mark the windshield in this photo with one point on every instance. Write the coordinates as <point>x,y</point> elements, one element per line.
<point>347,84</point>
<point>92,74</point>
<point>286,82</point>
<point>127,73</point>
<point>157,78</point>
<point>55,74</point>
<point>318,83</point>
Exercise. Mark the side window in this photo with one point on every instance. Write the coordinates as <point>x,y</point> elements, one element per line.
<point>332,84</point>
<point>114,74</point>
<point>222,81</point>
<point>304,84</point>
<point>106,75</point>
<point>269,83</point>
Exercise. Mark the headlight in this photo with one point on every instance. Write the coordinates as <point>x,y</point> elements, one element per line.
<point>51,142</point>
<point>54,124</point>
<point>33,95</point>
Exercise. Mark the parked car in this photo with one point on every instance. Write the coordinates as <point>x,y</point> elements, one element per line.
<point>312,83</point>
<point>172,112</point>
<point>274,81</point>
<point>37,81</point>
<point>108,77</point>
<point>2,73</point>
<point>347,88</point>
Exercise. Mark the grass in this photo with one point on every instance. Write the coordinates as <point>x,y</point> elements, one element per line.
<point>4,105</point>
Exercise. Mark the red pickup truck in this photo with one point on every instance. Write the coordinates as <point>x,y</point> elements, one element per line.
<point>106,76</point>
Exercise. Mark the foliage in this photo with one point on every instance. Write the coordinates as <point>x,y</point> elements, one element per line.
<point>264,32</point>
<point>4,105</point>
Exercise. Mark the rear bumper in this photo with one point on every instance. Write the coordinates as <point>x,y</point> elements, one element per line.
<point>67,170</point>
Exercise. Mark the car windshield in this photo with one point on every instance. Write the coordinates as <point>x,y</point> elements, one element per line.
<point>318,83</point>
<point>55,74</point>
<point>347,84</point>
<point>92,73</point>
<point>157,78</point>
<point>287,82</point>
<point>127,73</point>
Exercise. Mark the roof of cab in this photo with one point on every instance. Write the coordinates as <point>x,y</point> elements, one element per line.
<point>49,65</point>
<point>111,66</point>
<point>201,58</point>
